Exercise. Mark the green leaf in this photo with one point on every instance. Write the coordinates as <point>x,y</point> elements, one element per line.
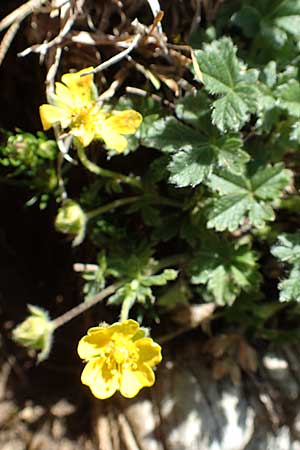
<point>251,194</point>
<point>288,95</point>
<point>290,287</point>
<point>160,279</point>
<point>287,248</point>
<point>295,133</point>
<point>226,268</point>
<point>224,75</point>
<point>177,294</point>
<point>270,20</point>
<point>190,166</point>
<point>195,152</point>
<point>169,135</point>
<point>139,290</point>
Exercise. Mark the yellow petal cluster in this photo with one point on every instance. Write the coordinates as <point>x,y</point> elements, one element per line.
<point>119,358</point>
<point>75,108</point>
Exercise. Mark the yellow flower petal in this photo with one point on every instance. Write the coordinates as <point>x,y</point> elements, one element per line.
<point>112,139</point>
<point>63,97</point>
<point>124,122</point>
<point>149,351</point>
<point>90,346</point>
<point>102,381</point>
<point>80,86</point>
<point>138,335</point>
<point>85,133</point>
<point>132,382</point>
<point>127,328</point>
<point>50,115</point>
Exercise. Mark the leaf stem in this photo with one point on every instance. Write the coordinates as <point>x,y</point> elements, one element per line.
<point>112,205</point>
<point>134,181</point>
<point>173,260</point>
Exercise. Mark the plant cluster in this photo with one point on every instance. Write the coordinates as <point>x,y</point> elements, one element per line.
<point>204,205</point>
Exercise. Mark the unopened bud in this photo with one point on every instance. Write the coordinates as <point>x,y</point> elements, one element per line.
<point>71,219</point>
<point>35,332</point>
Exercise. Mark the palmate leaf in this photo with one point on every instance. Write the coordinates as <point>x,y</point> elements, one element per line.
<point>224,75</point>
<point>287,250</point>
<point>226,268</point>
<point>250,195</point>
<point>196,148</point>
<point>273,20</point>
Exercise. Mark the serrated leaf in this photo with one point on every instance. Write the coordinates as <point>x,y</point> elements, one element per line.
<point>194,153</point>
<point>251,194</point>
<point>226,268</point>
<point>288,96</point>
<point>287,248</point>
<point>193,109</point>
<point>224,75</point>
<point>190,167</point>
<point>270,74</point>
<point>169,135</point>
<point>228,212</point>
<point>290,287</point>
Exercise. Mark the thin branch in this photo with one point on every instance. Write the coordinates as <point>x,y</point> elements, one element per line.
<point>116,58</point>
<point>19,14</point>
<point>156,9</point>
<point>84,306</point>
<point>43,48</point>
<point>7,40</point>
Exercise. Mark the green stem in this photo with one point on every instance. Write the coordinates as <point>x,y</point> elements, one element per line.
<point>173,260</point>
<point>134,181</point>
<point>166,201</point>
<point>124,314</point>
<point>126,201</point>
<point>110,206</point>
<point>84,306</point>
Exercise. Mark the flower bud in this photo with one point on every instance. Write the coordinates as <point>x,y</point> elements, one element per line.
<point>71,220</point>
<point>35,332</point>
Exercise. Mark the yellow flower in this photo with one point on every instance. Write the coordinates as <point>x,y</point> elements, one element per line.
<point>75,107</point>
<point>119,357</point>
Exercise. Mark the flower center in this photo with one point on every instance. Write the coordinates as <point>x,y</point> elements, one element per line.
<point>122,353</point>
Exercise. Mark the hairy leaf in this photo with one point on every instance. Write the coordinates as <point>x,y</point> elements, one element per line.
<point>224,75</point>
<point>246,195</point>
<point>195,152</point>
<point>226,269</point>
